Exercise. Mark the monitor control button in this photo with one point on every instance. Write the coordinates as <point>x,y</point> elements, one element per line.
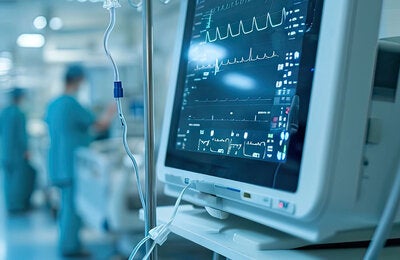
<point>283,206</point>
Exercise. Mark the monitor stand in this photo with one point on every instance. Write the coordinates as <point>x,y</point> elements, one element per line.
<point>232,237</point>
<point>238,238</point>
<point>216,213</point>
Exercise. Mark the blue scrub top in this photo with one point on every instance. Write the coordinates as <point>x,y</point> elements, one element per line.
<point>14,140</point>
<point>69,124</point>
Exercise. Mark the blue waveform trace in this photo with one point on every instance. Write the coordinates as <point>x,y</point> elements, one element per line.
<point>217,66</point>
<point>241,30</point>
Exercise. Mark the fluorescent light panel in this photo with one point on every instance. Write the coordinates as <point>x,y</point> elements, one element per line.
<point>31,40</point>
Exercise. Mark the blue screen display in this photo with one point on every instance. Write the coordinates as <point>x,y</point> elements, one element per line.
<point>243,90</point>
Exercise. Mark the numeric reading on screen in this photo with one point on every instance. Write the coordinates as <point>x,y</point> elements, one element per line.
<point>239,95</point>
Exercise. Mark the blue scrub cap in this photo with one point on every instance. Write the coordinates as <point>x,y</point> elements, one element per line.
<point>17,92</point>
<point>74,73</point>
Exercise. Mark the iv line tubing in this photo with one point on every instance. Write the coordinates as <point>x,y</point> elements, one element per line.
<point>105,42</point>
<point>128,151</point>
<point>119,106</point>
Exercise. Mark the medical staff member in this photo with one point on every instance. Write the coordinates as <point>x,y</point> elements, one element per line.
<point>70,125</point>
<point>18,180</point>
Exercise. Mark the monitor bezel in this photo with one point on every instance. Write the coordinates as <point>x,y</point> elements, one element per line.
<point>324,113</point>
<point>281,175</point>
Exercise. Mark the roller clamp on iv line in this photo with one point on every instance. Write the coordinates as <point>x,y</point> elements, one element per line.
<point>118,90</point>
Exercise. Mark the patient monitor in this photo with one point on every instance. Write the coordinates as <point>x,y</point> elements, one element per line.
<point>271,115</point>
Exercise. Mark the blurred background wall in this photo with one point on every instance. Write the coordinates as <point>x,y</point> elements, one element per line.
<point>71,31</point>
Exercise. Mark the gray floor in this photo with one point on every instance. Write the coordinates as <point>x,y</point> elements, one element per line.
<point>33,235</point>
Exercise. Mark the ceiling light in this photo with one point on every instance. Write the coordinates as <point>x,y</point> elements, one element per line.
<point>40,22</point>
<point>5,65</point>
<point>56,23</point>
<point>31,40</point>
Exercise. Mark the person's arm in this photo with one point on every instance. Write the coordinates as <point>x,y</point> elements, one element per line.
<point>86,119</point>
<point>105,120</point>
<point>83,117</point>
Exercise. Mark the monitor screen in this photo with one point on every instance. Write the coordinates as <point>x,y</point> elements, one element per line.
<point>243,90</point>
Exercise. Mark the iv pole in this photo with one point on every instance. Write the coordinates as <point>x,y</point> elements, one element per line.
<point>150,181</point>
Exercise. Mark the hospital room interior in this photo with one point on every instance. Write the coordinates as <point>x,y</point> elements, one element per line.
<point>199,129</point>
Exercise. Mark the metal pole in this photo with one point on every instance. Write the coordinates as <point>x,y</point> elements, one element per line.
<point>150,186</point>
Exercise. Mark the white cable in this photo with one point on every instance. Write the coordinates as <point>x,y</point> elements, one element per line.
<point>160,233</point>
<point>137,247</point>
<point>177,203</point>
<point>150,251</point>
<point>276,175</point>
<point>383,230</point>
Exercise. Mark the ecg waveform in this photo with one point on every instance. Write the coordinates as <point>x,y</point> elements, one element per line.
<point>254,149</point>
<point>217,66</point>
<point>220,145</point>
<point>203,144</point>
<point>226,146</point>
<point>255,26</point>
